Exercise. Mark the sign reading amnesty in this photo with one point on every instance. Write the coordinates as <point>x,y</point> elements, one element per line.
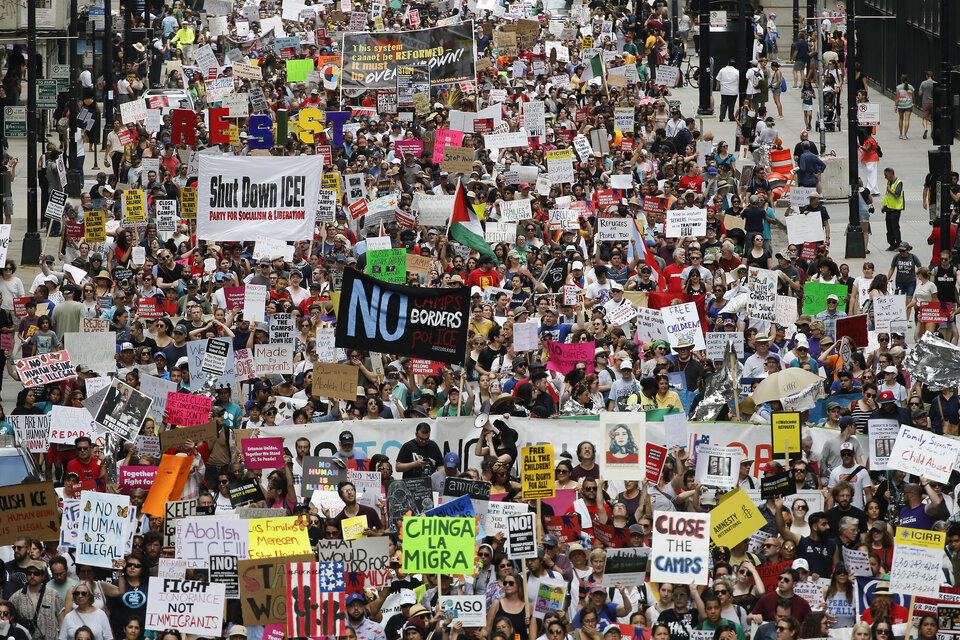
<point>435,545</point>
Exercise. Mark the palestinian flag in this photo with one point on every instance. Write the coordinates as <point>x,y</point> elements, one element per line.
<point>593,68</point>
<point>465,226</point>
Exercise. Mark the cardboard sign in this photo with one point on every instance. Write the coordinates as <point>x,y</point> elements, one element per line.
<point>223,570</point>
<point>537,472</point>
<point>187,410</point>
<point>174,438</point>
<point>275,537</point>
<point>37,371</point>
<point>628,566</point>
<point>197,538</point>
<point>924,454</point>
<point>319,591</point>
<point>244,492</point>
<point>785,431</point>
<point>883,435</point>
<point>470,611</point>
<point>104,526</point>
<point>186,605</point>
<point>262,453</point>
<point>33,431</point>
<point>521,536</point>
<point>263,589</point>
<point>620,445</point>
<point>322,473</point>
<point>855,328</point>
<point>173,510</point>
<point>718,466</point>
<point>777,485</point>
<point>917,559</point>
<point>439,545</point>
<point>369,556</point>
<point>29,509</point>
<point>734,519</point>
<point>680,547</point>
<point>338,381</point>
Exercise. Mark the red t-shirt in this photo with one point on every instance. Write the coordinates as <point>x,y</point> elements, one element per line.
<point>483,279</point>
<point>89,473</point>
<point>674,276</point>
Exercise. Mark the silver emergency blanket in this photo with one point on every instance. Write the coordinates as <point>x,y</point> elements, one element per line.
<point>934,362</point>
<point>719,388</point>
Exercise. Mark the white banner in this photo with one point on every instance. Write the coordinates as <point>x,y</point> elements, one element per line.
<point>243,197</point>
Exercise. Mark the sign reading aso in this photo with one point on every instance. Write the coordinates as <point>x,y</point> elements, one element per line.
<point>239,198</point>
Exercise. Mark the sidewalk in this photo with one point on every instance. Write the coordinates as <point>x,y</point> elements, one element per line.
<point>908,158</point>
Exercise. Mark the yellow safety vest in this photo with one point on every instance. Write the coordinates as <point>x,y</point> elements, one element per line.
<point>889,200</point>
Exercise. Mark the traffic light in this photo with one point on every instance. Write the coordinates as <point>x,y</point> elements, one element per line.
<point>942,124</point>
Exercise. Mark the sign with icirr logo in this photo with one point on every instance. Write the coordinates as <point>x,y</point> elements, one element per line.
<point>916,567</point>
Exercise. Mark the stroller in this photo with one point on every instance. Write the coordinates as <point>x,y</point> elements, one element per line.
<point>831,107</point>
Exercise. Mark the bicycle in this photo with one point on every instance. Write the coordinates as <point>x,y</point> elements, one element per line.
<point>691,74</point>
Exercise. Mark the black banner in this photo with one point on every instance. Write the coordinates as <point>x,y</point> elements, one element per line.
<point>370,60</point>
<point>408,321</point>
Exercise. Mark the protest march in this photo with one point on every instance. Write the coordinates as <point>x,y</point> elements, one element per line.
<point>394,320</point>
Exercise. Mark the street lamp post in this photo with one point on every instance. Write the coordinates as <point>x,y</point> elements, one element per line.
<point>74,175</point>
<point>855,245</point>
<point>31,239</point>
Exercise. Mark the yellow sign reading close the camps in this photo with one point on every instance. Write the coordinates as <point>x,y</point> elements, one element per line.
<point>734,518</point>
<point>277,537</point>
<point>133,209</point>
<point>439,544</point>
<point>537,472</point>
<point>786,430</point>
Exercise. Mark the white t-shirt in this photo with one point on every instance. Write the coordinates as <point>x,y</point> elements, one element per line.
<point>859,482</point>
<point>729,80</point>
<point>925,291</point>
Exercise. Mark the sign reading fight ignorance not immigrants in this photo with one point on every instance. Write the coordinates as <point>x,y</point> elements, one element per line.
<point>410,321</point>
<point>370,60</point>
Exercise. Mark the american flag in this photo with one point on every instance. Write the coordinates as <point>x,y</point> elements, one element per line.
<point>303,598</point>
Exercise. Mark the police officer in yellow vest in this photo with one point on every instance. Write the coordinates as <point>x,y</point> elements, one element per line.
<point>893,207</point>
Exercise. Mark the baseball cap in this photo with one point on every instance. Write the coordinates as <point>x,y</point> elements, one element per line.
<point>597,589</point>
<point>833,297</point>
<point>451,460</point>
<point>918,413</point>
<point>886,396</point>
<point>626,364</point>
<point>180,328</point>
<point>126,346</point>
<point>550,540</point>
<point>237,630</point>
<point>353,597</point>
<point>577,265</point>
<point>636,529</point>
<point>890,369</point>
<point>407,596</point>
<point>801,563</point>
<point>846,446</point>
<point>346,437</point>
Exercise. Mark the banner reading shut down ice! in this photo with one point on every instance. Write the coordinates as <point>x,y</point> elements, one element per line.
<point>410,321</point>
<point>242,197</point>
<point>370,60</point>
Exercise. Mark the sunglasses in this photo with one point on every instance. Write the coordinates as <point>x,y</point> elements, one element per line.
<point>721,592</point>
<point>801,507</point>
<point>509,582</point>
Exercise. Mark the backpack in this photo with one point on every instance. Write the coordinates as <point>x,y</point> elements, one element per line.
<point>879,150</point>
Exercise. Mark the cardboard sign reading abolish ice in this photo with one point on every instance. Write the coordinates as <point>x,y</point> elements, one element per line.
<point>680,547</point>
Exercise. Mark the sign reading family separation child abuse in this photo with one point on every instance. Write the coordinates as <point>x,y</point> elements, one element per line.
<point>241,197</point>
<point>409,321</point>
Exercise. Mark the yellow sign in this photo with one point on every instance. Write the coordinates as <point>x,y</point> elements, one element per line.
<point>586,43</point>
<point>188,203</point>
<point>234,132</point>
<point>537,473</point>
<point>560,154</point>
<point>786,430</point>
<point>133,209</point>
<point>331,181</point>
<point>734,519</point>
<point>94,226</point>
<point>277,537</point>
<point>353,528</point>
<point>920,538</point>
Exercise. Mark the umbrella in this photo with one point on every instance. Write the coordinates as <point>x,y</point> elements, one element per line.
<point>784,383</point>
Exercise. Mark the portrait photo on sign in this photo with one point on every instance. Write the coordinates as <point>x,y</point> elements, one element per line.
<point>123,410</point>
<point>622,443</point>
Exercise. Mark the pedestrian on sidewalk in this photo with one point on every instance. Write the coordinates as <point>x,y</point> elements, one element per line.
<point>893,204</point>
<point>905,100</point>
<point>728,83</point>
<point>926,102</point>
<point>869,160</point>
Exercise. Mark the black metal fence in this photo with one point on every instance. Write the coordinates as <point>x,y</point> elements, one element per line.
<point>903,37</point>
